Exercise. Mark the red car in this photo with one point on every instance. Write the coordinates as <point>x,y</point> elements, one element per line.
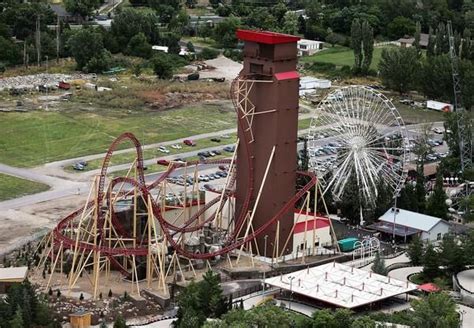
<point>189,142</point>
<point>163,162</point>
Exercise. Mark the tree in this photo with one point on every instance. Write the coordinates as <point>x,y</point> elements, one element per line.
<point>407,199</point>
<point>415,251</point>
<point>379,265</point>
<point>431,263</point>
<point>453,256</point>
<point>367,46</point>
<point>323,319</point>
<point>437,310</point>
<point>398,68</point>
<point>290,23</point>
<point>420,190</point>
<point>132,21</point>
<point>11,53</point>
<point>85,44</point>
<point>99,63</point>
<point>82,8</point>
<point>363,322</point>
<point>436,205</point>
<point>416,42</point>
<point>224,32</point>
<point>110,293</point>
<point>401,26</point>
<point>162,66</point>
<point>356,42</point>
<point>139,46</point>
<point>17,321</point>
<point>190,47</point>
<point>120,322</point>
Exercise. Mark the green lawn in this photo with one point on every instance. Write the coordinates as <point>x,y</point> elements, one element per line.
<point>13,187</point>
<point>340,56</point>
<point>34,138</point>
<point>154,153</point>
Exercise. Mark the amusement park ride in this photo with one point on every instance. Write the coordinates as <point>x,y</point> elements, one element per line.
<point>131,227</point>
<point>152,234</point>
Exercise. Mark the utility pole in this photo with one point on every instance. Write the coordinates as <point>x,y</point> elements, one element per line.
<point>38,40</point>
<point>57,39</point>
<point>462,117</point>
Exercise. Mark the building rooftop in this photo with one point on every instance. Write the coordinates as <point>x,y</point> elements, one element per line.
<point>341,285</point>
<point>266,37</point>
<point>13,274</point>
<point>411,220</point>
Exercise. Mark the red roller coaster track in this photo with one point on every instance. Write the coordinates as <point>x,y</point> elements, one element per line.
<point>170,230</point>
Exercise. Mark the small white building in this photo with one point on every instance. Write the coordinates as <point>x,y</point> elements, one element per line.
<point>405,223</point>
<point>439,106</point>
<point>309,47</point>
<point>309,84</point>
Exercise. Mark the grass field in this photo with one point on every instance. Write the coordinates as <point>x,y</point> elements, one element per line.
<point>340,56</point>
<point>34,138</point>
<point>13,187</point>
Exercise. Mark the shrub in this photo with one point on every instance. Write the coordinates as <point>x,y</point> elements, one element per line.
<point>208,53</point>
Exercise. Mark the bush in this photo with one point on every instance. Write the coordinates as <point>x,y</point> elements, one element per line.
<point>162,66</point>
<point>208,53</point>
<point>99,63</point>
<point>234,54</point>
<point>139,46</point>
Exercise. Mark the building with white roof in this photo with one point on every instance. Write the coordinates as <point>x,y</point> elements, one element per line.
<point>341,285</point>
<point>406,223</point>
<point>11,276</point>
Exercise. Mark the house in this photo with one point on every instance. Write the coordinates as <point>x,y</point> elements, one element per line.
<point>309,84</point>
<point>11,276</point>
<point>310,232</point>
<point>407,42</point>
<point>404,224</point>
<point>309,47</point>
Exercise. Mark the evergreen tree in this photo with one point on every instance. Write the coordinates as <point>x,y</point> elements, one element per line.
<point>407,199</point>
<point>431,262</point>
<point>437,201</point>
<point>415,251</point>
<point>416,43</point>
<point>420,190</point>
<point>430,48</point>
<point>356,43</point>
<point>379,265</point>
<point>17,321</point>
<point>367,45</point>
<point>110,293</point>
<point>120,322</point>
<point>442,40</point>
<point>453,257</point>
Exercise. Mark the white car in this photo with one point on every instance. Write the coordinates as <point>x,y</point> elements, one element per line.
<point>437,130</point>
<point>176,146</point>
<point>163,150</point>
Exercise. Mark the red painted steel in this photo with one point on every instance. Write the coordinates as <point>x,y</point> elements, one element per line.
<point>266,37</point>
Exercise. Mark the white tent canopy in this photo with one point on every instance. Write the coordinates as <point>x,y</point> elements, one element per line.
<point>341,285</point>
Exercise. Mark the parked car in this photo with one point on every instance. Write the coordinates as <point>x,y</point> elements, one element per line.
<point>223,167</point>
<point>225,136</point>
<point>189,142</point>
<point>216,152</point>
<point>78,167</point>
<point>176,146</point>
<point>229,149</point>
<point>163,150</point>
<point>215,140</point>
<point>163,162</point>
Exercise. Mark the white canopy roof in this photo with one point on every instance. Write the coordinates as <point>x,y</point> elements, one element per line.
<point>13,274</point>
<point>410,219</point>
<point>341,285</point>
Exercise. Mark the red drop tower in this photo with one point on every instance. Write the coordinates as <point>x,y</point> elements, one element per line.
<point>267,93</point>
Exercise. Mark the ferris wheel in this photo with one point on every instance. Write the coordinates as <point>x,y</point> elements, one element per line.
<point>358,135</point>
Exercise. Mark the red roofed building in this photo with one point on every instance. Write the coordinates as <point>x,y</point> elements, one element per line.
<point>317,231</point>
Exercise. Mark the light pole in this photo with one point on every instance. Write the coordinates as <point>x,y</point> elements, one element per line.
<point>291,290</point>
<point>264,257</point>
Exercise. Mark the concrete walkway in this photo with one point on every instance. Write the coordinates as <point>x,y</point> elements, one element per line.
<point>403,273</point>
<point>466,279</point>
